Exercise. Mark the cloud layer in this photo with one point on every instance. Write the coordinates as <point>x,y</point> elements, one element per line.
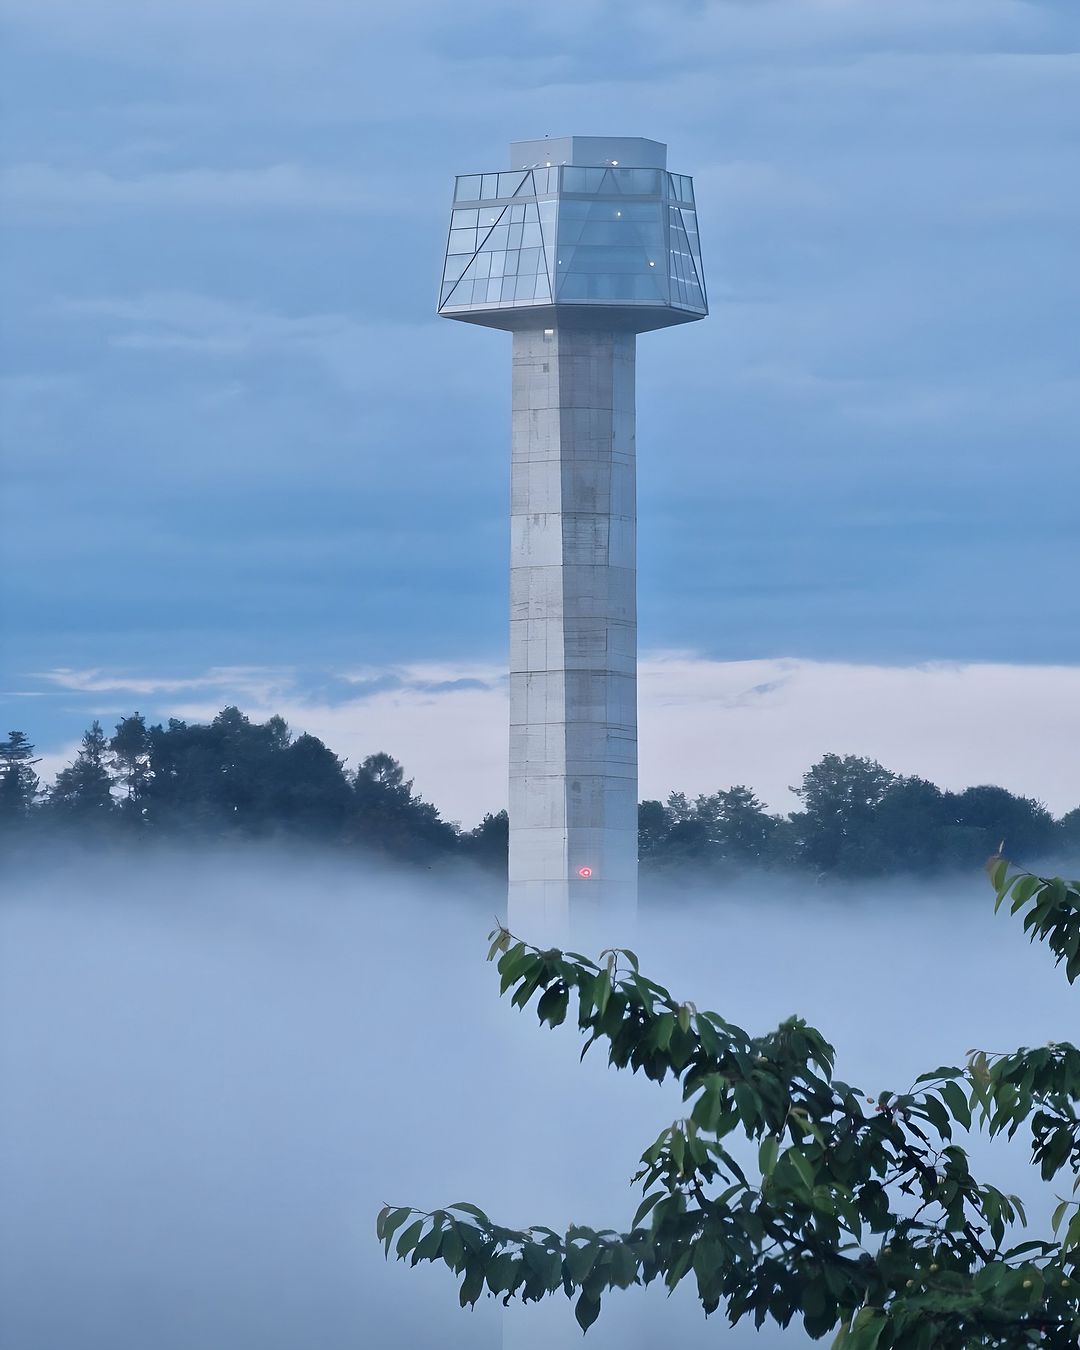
<point>703,724</point>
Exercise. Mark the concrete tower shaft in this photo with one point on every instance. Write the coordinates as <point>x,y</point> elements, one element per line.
<point>573,630</point>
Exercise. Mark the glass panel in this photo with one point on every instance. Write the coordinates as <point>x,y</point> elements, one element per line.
<point>464,220</point>
<point>509,183</point>
<point>515,236</point>
<point>645,180</point>
<point>498,263</point>
<point>577,179</point>
<point>621,209</point>
<point>526,285</point>
<point>468,188</point>
<point>462,241</point>
<point>542,292</point>
<point>531,238</point>
<point>494,291</point>
<point>496,238</point>
<point>617,231</point>
<point>603,258</point>
<point>455,266</point>
<point>490,186</point>
<point>530,261</point>
<point>517,215</point>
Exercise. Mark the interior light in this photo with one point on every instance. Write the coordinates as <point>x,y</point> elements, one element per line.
<point>584,872</point>
<point>652,264</point>
<point>618,213</point>
<point>549,164</point>
<point>549,332</point>
<point>615,162</point>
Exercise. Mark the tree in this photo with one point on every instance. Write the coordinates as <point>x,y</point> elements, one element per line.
<point>905,831</point>
<point>130,750</point>
<point>728,828</point>
<point>388,817</point>
<point>1021,825</point>
<point>488,843</point>
<point>18,781</point>
<point>654,825</point>
<point>863,1218</point>
<point>1068,831</point>
<point>82,792</point>
<point>839,795</point>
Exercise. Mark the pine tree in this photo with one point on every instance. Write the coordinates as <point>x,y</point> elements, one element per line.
<point>130,751</point>
<point>83,790</point>
<point>18,781</point>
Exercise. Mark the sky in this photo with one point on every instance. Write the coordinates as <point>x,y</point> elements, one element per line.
<point>244,461</point>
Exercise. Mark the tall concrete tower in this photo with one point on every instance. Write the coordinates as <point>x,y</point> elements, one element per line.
<point>584,242</point>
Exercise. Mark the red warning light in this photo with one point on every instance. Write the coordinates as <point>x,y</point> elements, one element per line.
<point>584,872</point>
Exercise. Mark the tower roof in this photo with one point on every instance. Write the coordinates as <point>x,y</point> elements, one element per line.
<point>633,152</point>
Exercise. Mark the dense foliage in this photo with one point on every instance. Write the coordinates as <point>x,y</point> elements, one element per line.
<point>234,778</point>
<point>861,1218</point>
<point>230,779</point>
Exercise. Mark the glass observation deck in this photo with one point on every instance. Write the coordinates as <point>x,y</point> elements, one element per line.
<point>610,243</point>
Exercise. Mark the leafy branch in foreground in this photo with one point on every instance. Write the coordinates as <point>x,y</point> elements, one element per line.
<point>861,1217</point>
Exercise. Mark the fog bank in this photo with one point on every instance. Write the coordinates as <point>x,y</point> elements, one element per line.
<point>217,1068</point>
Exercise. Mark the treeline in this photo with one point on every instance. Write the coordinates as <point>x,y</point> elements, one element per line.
<point>230,779</point>
<point>238,779</point>
<point>858,819</point>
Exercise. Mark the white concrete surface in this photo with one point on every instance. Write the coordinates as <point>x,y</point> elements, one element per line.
<point>573,636</point>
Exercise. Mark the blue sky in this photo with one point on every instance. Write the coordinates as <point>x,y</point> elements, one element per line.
<point>237,437</point>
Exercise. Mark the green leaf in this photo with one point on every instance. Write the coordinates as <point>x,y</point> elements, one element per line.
<point>770,1147</point>
<point>665,1027</point>
<point>802,1165</point>
<point>392,1224</point>
<point>938,1116</point>
<point>471,1209</point>
<point>472,1286</point>
<point>748,1105</point>
<point>586,1310</point>
<point>646,1205</point>
<point>953,1096</point>
<point>866,1329</point>
<point>453,1249</point>
<point>409,1237</point>
<point>945,1071</point>
<point>1058,1215</point>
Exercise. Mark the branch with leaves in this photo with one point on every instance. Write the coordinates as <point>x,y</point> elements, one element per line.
<point>862,1217</point>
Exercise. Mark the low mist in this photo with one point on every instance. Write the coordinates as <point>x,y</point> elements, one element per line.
<point>216,1069</point>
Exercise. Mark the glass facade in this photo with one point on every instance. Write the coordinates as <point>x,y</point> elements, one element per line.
<point>573,235</point>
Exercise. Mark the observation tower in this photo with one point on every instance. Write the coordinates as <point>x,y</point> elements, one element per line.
<point>581,244</point>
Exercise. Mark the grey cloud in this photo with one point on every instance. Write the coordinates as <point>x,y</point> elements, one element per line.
<point>34,190</point>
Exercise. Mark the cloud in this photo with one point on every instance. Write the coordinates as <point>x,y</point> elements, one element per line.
<point>704,724</point>
<point>36,189</point>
